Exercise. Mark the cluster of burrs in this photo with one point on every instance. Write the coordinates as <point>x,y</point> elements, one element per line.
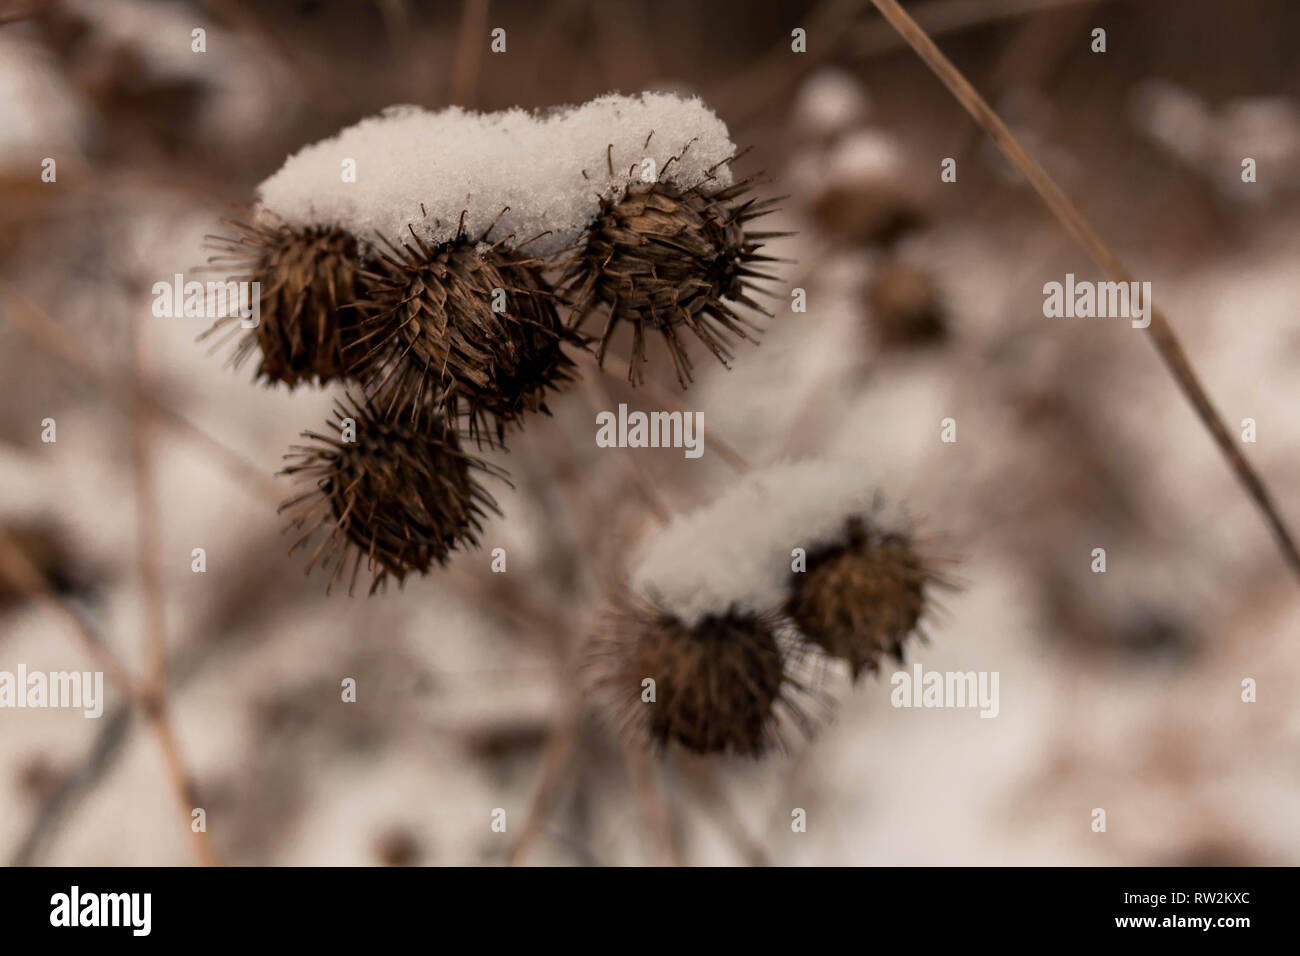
<point>450,343</point>
<point>719,643</point>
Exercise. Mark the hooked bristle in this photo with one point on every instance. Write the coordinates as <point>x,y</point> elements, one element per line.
<point>463,327</point>
<point>666,260</point>
<point>862,597</point>
<point>311,279</point>
<point>404,498</point>
<point>722,685</point>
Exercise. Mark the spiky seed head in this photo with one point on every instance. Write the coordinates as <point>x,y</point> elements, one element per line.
<point>667,260</point>
<point>403,498</point>
<point>310,280</point>
<point>905,306</point>
<point>436,341</point>
<point>866,214</point>
<point>861,598</point>
<point>721,685</point>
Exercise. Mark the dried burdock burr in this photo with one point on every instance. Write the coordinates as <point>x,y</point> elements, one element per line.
<point>905,306</point>
<point>668,260</point>
<point>719,685</point>
<point>664,253</point>
<point>865,201</point>
<point>310,279</point>
<point>466,327</point>
<point>401,497</point>
<point>859,214</point>
<point>718,597</point>
<point>843,566</point>
<point>862,596</point>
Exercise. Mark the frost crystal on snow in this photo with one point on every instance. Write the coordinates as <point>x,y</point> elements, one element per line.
<point>736,551</point>
<point>549,170</point>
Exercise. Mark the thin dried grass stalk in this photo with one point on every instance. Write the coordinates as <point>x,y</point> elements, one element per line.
<point>1163,337</point>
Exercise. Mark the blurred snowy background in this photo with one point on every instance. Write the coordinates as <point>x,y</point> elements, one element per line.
<point>1120,691</point>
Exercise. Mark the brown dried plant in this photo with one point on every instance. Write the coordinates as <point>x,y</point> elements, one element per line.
<point>862,597</point>
<point>465,327</point>
<point>726,684</point>
<point>311,279</point>
<point>666,260</point>
<point>402,498</point>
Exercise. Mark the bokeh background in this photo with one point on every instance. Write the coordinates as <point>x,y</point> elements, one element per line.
<point>1119,691</point>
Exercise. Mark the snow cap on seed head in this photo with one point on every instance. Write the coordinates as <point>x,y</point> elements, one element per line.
<point>736,551</point>
<point>865,156</point>
<point>454,160</point>
<point>830,101</point>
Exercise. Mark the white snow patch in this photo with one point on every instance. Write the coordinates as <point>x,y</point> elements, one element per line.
<point>549,170</point>
<point>865,156</point>
<point>736,550</point>
<point>829,102</point>
<point>1175,118</point>
<point>1264,128</point>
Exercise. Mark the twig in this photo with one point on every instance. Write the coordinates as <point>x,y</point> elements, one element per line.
<point>703,777</point>
<point>152,695</point>
<point>147,536</point>
<point>952,16</point>
<point>198,652</point>
<point>1162,333</point>
<point>19,570</point>
<point>766,85</point>
<point>653,802</point>
<point>114,731</point>
<point>557,759</point>
<point>568,723</point>
<point>1039,41</point>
